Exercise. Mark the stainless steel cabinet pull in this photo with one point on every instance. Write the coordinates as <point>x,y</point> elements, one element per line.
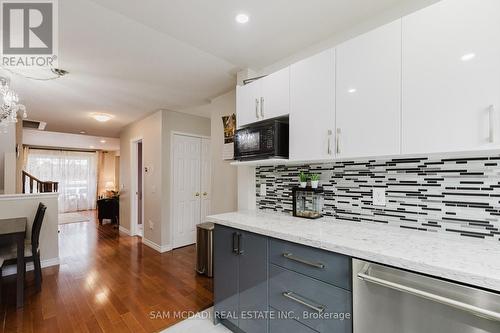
<point>240,245</point>
<point>339,133</point>
<point>235,240</point>
<point>257,108</point>
<point>477,311</point>
<point>493,123</point>
<point>299,299</point>
<point>303,261</point>
<point>262,107</point>
<point>330,142</point>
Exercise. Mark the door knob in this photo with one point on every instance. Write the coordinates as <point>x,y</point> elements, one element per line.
<point>205,193</point>
<point>197,194</point>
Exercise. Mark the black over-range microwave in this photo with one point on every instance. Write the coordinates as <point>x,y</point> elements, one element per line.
<point>263,140</point>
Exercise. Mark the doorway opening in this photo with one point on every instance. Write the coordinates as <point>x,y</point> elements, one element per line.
<point>137,170</point>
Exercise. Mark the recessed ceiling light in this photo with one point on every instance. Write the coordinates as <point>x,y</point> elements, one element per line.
<point>352,90</point>
<point>102,117</point>
<point>91,147</point>
<point>242,18</point>
<point>83,132</point>
<point>468,56</point>
<point>103,141</point>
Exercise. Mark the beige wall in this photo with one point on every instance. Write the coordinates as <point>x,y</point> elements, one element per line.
<point>7,145</point>
<point>26,206</point>
<point>175,122</point>
<point>150,131</point>
<point>155,132</point>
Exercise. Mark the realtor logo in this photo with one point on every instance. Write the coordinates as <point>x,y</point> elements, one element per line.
<point>29,33</point>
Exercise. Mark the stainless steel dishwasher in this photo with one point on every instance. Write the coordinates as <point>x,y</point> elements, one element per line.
<point>387,300</point>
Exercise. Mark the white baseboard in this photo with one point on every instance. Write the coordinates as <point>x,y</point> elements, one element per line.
<point>155,246</point>
<point>124,230</point>
<point>12,269</point>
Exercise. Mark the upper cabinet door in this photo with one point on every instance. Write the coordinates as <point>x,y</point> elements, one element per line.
<point>451,77</point>
<point>248,103</point>
<point>312,114</point>
<point>275,97</point>
<point>368,108</point>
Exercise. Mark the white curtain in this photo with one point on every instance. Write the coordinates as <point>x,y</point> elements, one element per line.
<point>76,173</point>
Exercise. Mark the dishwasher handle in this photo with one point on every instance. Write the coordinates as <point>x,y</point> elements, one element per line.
<point>477,311</point>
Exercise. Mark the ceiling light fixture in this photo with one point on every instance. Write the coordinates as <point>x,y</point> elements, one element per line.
<point>101,117</point>
<point>9,107</point>
<point>103,141</point>
<point>242,18</point>
<point>83,132</point>
<point>352,90</point>
<point>468,56</point>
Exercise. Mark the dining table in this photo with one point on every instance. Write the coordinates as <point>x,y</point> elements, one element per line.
<point>13,231</point>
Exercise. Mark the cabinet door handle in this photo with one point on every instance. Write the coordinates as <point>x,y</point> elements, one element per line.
<point>492,119</point>
<point>337,144</point>
<point>240,245</point>
<point>235,241</point>
<point>257,108</point>
<point>262,107</point>
<point>329,142</point>
<point>290,256</point>
<point>301,300</point>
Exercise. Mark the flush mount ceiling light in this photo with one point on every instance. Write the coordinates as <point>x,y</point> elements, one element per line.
<point>351,91</point>
<point>242,18</point>
<point>468,56</point>
<point>101,117</point>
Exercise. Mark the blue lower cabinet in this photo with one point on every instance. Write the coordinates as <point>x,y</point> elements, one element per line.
<point>321,306</point>
<point>257,289</point>
<point>241,279</point>
<point>226,265</point>
<point>281,322</point>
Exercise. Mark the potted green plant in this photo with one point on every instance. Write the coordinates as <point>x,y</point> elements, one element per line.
<point>303,179</point>
<point>314,180</point>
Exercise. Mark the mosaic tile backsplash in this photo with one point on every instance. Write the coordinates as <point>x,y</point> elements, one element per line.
<point>452,195</point>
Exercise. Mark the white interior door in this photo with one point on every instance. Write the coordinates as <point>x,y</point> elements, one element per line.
<point>206,179</point>
<point>186,189</point>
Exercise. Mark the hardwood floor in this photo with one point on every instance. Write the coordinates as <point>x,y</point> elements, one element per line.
<point>107,282</point>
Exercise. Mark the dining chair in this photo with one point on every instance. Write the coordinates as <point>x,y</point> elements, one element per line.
<point>31,248</point>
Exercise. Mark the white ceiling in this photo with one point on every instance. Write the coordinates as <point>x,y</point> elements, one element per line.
<point>130,58</point>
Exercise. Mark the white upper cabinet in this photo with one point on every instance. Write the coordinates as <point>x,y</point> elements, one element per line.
<point>263,99</point>
<point>368,106</point>
<point>451,77</point>
<point>312,107</point>
<point>248,103</point>
<point>275,97</point>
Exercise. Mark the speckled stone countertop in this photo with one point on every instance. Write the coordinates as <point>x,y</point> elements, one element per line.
<point>470,261</point>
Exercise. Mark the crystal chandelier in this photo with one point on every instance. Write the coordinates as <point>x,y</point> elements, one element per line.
<point>9,107</point>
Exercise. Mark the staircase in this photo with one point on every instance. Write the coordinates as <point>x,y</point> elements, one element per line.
<point>38,186</point>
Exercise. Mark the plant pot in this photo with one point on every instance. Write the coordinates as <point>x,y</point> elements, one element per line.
<point>314,183</point>
<point>303,184</point>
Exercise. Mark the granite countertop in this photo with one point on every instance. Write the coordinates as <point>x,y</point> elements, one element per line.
<point>470,261</point>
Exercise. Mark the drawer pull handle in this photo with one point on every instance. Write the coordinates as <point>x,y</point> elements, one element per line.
<point>301,300</point>
<point>302,261</point>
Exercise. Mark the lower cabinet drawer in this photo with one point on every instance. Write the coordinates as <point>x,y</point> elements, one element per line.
<point>326,266</point>
<point>320,306</point>
<point>283,324</point>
